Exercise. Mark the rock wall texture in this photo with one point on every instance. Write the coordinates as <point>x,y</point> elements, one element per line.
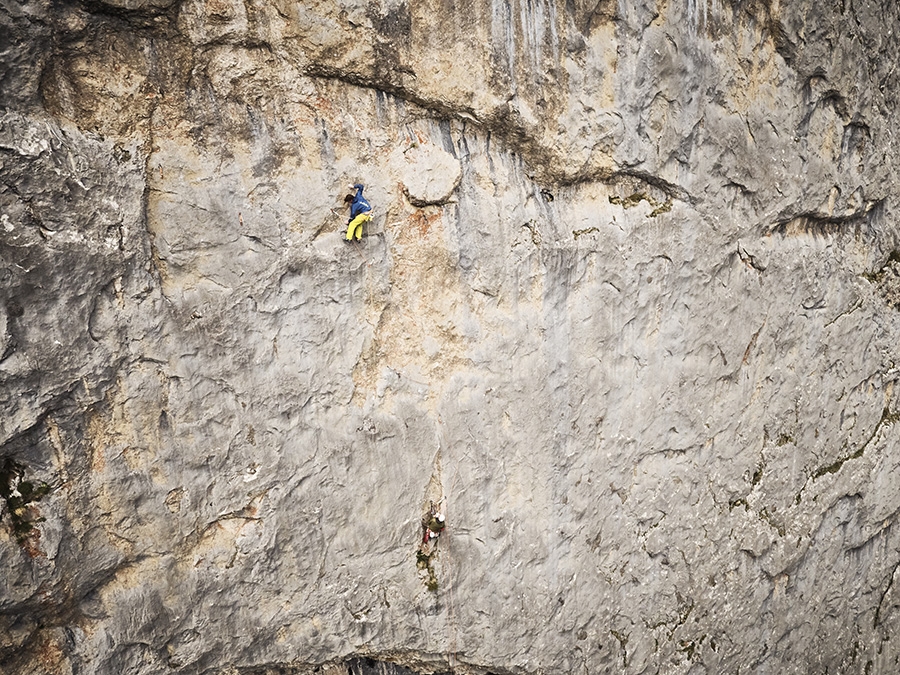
<point>626,317</point>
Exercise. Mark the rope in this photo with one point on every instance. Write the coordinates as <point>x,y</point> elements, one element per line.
<point>359,251</point>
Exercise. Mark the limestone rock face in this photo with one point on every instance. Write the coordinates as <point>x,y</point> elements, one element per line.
<point>625,324</point>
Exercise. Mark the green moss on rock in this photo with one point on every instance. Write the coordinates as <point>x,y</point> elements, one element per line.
<point>19,494</point>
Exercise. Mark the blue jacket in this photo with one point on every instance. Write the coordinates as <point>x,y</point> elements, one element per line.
<point>359,203</point>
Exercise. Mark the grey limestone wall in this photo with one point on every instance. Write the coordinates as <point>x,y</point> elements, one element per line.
<point>626,317</point>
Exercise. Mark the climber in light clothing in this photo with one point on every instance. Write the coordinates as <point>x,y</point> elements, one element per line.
<point>360,213</point>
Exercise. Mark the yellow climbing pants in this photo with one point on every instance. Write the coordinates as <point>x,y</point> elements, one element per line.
<point>355,226</point>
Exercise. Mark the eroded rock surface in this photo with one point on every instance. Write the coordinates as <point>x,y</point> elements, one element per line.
<point>626,317</point>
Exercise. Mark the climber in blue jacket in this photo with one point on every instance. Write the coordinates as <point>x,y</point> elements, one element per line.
<point>360,213</point>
